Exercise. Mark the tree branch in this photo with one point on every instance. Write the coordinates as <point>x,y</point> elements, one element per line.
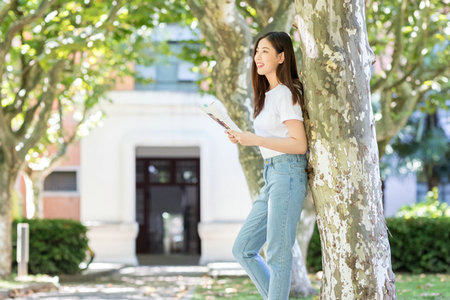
<point>48,97</point>
<point>5,10</point>
<point>28,119</point>
<point>112,14</point>
<point>31,76</point>
<point>283,18</point>
<point>206,27</point>
<point>398,41</point>
<point>7,140</point>
<point>18,25</point>
<point>197,10</point>
<point>265,9</point>
<point>62,149</point>
<point>406,75</point>
<point>398,47</point>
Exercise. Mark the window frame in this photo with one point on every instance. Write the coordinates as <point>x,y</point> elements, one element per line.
<point>76,193</point>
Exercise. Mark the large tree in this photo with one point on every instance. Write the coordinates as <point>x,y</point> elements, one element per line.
<point>57,59</point>
<point>344,159</point>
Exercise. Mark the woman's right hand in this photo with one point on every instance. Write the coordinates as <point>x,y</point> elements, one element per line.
<point>231,137</point>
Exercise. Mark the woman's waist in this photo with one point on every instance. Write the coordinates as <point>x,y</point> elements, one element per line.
<point>285,157</point>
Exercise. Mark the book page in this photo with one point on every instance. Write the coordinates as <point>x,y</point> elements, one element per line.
<point>219,115</point>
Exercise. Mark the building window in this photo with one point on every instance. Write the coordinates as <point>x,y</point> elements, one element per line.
<point>169,74</point>
<point>61,181</point>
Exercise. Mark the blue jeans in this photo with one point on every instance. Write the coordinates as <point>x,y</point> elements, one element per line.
<point>273,218</point>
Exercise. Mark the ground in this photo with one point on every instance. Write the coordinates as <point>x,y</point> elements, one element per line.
<point>409,287</point>
<point>201,283</point>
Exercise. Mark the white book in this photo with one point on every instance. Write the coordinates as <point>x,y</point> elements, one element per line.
<point>219,115</point>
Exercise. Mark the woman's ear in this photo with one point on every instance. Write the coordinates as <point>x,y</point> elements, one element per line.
<point>281,59</point>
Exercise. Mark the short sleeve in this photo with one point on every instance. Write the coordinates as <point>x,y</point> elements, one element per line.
<point>287,110</point>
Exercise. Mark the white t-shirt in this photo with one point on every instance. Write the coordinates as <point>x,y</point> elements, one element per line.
<point>278,108</point>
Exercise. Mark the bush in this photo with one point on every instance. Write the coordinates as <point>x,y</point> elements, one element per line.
<point>57,246</point>
<point>420,244</point>
<point>430,207</point>
<point>417,245</point>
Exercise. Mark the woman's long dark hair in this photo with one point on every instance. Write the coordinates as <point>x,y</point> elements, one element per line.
<point>287,72</point>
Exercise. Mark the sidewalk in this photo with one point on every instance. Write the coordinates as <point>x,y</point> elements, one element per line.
<point>115,281</point>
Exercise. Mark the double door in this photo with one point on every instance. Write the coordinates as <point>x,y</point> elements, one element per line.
<point>168,205</point>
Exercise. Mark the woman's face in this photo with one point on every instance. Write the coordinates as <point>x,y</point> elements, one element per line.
<point>266,57</point>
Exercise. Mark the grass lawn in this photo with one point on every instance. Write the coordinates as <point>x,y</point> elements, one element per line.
<point>409,287</point>
<point>9,283</point>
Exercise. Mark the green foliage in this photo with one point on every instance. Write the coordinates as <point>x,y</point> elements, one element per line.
<point>410,41</point>
<point>97,43</point>
<point>57,246</point>
<point>430,207</point>
<point>417,245</point>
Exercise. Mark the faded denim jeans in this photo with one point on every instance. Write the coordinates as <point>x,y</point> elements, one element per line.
<point>273,218</point>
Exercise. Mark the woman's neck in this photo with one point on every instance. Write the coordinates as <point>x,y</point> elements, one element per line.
<point>273,80</point>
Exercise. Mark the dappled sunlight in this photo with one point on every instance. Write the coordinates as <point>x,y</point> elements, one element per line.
<point>157,270</point>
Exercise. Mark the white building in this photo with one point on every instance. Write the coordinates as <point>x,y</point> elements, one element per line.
<point>157,153</point>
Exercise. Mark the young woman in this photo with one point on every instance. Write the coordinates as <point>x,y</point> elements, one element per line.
<point>280,135</point>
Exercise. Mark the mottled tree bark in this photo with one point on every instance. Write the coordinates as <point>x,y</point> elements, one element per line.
<point>7,177</point>
<point>37,177</point>
<point>231,41</point>
<point>305,227</point>
<point>344,157</point>
<point>38,201</point>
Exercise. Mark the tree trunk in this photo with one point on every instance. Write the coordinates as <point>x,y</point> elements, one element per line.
<point>7,178</point>
<point>344,159</point>
<point>37,180</point>
<point>300,283</point>
<point>305,228</point>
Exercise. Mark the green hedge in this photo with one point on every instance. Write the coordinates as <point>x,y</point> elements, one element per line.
<point>57,246</point>
<point>418,245</point>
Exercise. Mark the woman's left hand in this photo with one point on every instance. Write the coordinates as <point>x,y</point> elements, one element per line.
<point>245,138</point>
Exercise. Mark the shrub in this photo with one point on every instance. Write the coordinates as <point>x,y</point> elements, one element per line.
<point>57,246</point>
<point>430,207</point>
<point>418,245</point>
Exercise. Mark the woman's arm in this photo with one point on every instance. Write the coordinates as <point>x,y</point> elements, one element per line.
<point>294,144</point>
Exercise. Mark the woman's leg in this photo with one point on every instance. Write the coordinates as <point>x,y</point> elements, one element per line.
<point>249,241</point>
<point>286,196</point>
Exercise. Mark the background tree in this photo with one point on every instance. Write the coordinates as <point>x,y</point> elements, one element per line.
<point>410,39</point>
<point>422,146</point>
<point>57,58</point>
<point>345,179</point>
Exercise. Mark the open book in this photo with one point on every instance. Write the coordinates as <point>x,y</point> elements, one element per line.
<point>219,115</point>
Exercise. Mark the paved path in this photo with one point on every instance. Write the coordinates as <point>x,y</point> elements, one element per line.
<point>143,282</point>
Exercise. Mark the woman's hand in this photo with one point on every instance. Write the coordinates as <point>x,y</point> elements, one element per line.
<point>231,137</point>
<point>245,138</point>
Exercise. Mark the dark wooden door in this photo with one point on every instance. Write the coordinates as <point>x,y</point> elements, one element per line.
<point>168,205</point>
